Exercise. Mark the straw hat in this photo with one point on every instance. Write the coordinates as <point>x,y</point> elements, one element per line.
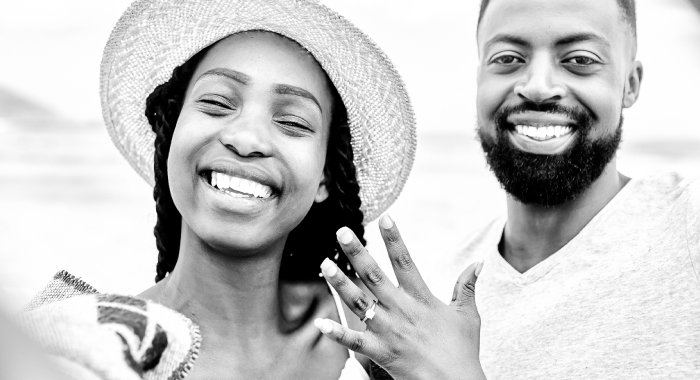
<point>153,37</point>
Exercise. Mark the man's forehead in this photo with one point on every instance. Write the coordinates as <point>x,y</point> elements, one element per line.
<point>554,17</point>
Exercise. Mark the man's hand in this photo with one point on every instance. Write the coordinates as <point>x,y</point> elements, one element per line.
<point>411,334</point>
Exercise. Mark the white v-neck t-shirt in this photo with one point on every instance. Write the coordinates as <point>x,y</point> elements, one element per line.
<point>620,301</point>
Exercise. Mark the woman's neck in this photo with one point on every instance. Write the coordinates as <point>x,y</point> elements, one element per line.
<point>227,293</point>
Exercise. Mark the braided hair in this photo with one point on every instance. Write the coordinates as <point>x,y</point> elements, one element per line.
<point>312,240</point>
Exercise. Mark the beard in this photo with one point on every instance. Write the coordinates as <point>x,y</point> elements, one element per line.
<point>548,180</point>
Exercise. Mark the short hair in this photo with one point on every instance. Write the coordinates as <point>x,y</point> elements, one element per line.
<point>628,8</point>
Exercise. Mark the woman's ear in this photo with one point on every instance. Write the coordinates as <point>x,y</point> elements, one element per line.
<point>322,192</point>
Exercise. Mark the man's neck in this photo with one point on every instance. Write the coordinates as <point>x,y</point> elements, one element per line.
<point>534,233</point>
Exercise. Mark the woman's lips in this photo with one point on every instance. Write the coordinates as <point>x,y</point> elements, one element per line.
<point>237,186</point>
<point>231,202</point>
<point>239,174</point>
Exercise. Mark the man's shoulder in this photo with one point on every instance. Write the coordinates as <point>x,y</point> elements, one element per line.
<point>668,185</point>
<point>661,191</point>
<point>677,206</point>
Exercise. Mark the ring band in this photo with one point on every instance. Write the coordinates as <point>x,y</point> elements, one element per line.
<point>369,314</point>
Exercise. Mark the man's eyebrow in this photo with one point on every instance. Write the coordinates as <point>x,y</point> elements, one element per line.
<point>285,89</point>
<point>228,73</point>
<point>568,40</point>
<point>509,39</point>
<point>582,37</point>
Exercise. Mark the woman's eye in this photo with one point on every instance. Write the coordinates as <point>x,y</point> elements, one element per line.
<point>507,60</point>
<point>216,103</point>
<point>294,128</point>
<point>581,61</point>
<point>215,106</point>
<point>293,124</point>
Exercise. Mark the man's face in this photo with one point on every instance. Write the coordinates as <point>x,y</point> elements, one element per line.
<point>553,79</point>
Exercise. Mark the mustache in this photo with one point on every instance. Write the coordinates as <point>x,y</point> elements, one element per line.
<point>581,116</point>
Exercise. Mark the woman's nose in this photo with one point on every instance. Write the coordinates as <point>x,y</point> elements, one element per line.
<point>540,83</point>
<point>248,136</point>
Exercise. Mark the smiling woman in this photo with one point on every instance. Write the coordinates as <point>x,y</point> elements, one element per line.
<point>247,160</point>
<point>258,124</point>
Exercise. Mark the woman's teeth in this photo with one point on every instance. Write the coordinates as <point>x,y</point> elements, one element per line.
<point>242,188</point>
<point>543,132</point>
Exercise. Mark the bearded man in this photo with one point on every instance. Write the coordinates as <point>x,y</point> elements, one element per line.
<point>591,274</point>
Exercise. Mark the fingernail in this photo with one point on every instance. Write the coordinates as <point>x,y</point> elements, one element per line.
<point>329,268</point>
<point>386,222</point>
<point>324,325</point>
<point>344,235</point>
<point>478,268</point>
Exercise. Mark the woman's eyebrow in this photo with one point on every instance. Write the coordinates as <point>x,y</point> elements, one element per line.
<point>228,73</point>
<point>285,89</point>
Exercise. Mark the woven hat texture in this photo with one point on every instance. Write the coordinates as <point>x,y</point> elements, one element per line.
<point>153,37</point>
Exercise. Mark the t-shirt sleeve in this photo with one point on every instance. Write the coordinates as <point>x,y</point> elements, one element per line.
<point>693,224</point>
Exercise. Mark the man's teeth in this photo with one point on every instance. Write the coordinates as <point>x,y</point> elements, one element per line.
<point>543,132</point>
<point>243,188</point>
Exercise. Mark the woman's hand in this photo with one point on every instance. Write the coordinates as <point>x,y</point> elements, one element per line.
<point>410,333</point>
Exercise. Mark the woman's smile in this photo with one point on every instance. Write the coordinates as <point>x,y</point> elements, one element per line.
<point>238,187</point>
<point>247,184</point>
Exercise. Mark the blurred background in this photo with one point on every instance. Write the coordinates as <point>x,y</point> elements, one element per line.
<point>69,201</point>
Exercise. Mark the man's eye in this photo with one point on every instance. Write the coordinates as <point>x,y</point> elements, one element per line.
<point>507,60</point>
<point>581,61</point>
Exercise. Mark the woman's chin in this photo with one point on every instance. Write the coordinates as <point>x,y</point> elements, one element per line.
<point>238,242</point>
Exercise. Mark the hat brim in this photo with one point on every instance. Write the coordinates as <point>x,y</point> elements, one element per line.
<point>153,37</point>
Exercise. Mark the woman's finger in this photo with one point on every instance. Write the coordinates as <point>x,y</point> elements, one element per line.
<point>359,303</point>
<point>369,271</point>
<point>464,295</point>
<point>360,342</point>
<point>405,270</point>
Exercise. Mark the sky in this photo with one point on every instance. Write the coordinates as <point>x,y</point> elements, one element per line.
<point>53,50</point>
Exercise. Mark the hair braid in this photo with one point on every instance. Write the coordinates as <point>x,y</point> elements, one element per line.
<point>163,108</point>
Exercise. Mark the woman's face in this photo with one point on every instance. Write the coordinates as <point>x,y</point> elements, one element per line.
<point>248,152</point>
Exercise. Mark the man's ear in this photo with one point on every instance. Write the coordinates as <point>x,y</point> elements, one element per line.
<point>633,84</point>
<point>322,192</point>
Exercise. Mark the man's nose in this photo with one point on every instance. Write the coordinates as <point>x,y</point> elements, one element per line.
<point>248,136</point>
<point>540,83</point>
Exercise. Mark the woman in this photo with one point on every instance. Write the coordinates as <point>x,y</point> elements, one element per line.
<point>274,123</point>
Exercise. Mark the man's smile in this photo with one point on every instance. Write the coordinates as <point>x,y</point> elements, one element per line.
<point>541,132</point>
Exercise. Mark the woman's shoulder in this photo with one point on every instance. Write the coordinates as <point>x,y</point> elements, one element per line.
<point>125,336</point>
<point>63,286</point>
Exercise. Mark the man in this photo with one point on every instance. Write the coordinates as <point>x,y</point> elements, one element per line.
<point>592,274</point>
